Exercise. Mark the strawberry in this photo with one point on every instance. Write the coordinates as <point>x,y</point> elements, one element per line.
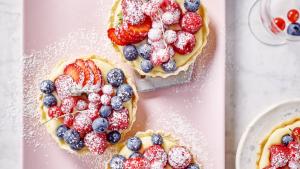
<point>75,72</point>
<point>69,120</point>
<point>63,84</point>
<point>191,22</point>
<point>88,74</point>
<point>294,147</point>
<point>156,153</point>
<point>140,31</point>
<point>55,112</point>
<point>96,143</point>
<point>119,120</point>
<point>96,71</point>
<point>114,38</point>
<point>296,134</point>
<point>185,42</point>
<point>279,156</point>
<point>137,162</point>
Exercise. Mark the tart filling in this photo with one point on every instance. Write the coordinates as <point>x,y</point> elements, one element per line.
<point>87,104</point>
<point>281,148</point>
<point>158,37</point>
<point>153,150</point>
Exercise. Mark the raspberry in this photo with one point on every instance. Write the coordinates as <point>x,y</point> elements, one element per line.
<point>169,5</point>
<point>171,17</point>
<point>155,34</point>
<point>151,9</point>
<point>68,104</point>
<point>138,162</point>
<point>69,120</point>
<point>294,147</point>
<point>185,42</point>
<point>94,106</point>
<point>92,113</point>
<point>133,12</point>
<point>94,97</point>
<point>170,36</point>
<point>119,120</point>
<point>158,44</point>
<point>96,143</point>
<point>155,59</point>
<point>82,123</point>
<point>191,22</point>
<point>296,133</point>
<point>63,84</point>
<point>179,157</point>
<point>81,105</point>
<point>105,99</point>
<point>156,153</point>
<point>54,112</point>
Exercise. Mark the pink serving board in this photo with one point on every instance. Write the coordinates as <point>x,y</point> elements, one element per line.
<point>200,103</point>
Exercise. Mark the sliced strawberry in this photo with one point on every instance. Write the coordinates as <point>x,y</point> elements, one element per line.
<point>140,31</point>
<point>279,156</point>
<point>88,74</point>
<point>75,72</point>
<point>122,33</point>
<point>114,38</point>
<point>96,71</point>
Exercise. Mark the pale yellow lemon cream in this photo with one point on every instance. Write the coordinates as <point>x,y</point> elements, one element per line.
<point>182,61</point>
<point>169,141</point>
<point>272,139</point>
<point>104,65</point>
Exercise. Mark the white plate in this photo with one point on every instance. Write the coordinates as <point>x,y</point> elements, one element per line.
<point>248,147</point>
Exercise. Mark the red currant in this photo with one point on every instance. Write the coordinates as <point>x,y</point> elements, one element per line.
<point>293,15</point>
<point>280,23</point>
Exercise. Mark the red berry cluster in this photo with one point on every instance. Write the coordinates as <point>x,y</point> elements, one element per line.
<point>292,16</point>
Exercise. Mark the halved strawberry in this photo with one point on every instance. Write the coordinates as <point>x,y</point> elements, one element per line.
<point>96,71</point>
<point>279,156</point>
<point>114,38</point>
<point>122,33</point>
<point>140,31</point>
<point>75,72</point>
<point>88,74</point>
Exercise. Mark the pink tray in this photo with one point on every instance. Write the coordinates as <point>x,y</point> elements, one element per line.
<point>194,111</point>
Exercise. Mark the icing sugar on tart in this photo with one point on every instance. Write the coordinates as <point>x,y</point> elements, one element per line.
<point>87,104</point>
<point>281,148</point>
<point>158,37</point>
<point>153,150</point>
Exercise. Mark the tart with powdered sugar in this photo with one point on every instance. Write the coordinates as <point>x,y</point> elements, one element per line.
<point>158,38</point>
<point>88,104</point>
<point>281,148</point>
<point>153,150</point>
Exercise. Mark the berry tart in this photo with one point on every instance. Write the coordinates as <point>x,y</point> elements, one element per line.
<point>87,104</point>
<point>281,148</point>
<point>153,150</point>
<point>158,38</point>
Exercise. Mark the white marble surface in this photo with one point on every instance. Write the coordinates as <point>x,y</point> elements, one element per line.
<point>258,76</point>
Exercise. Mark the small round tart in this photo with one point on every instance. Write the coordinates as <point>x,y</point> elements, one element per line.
<point>153,150</point>
<point>87,104</point>
<point>158,38</point>
<point>281,148</point>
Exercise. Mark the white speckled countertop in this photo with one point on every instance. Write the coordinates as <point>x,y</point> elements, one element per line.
<point>258,76</point>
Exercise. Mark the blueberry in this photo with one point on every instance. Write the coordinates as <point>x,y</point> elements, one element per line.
<point>134,144</point>
<point>77,146</point>
<point>193,166</point>
<point>100,125</point>
<point>60,131</point>
<point>130,52</point>
<point>146,66</point>
<point>49,100</point>
<point>294,29</point>
<point>47,86</point>
<point>192,5</point>
<point>113,137</point>
<point>116,103</point>
<point>105,111</point>
<point>169,66</point>
<point>115,77</point>
<point>136,154</point>
<point>157,139</point>
<point>286,139</point>
<point>125,92</point>
<point>71,136</point>
<point>117,162</point>
<point>145,51</point>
